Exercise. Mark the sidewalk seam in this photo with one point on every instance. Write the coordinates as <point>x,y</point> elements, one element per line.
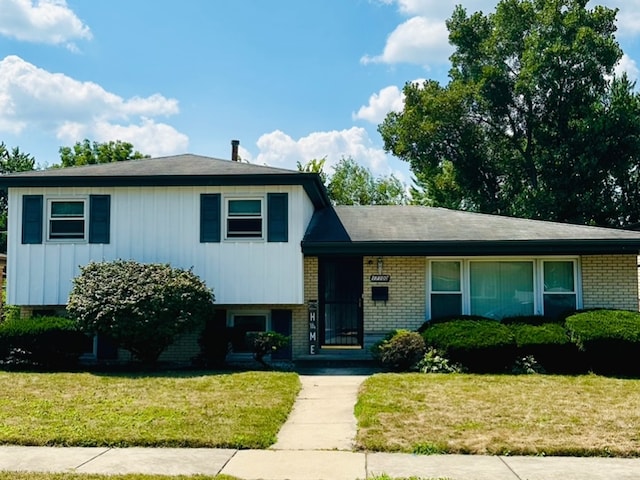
<point>509,467</point>
<point>93,458</point>
<point>227,462</point>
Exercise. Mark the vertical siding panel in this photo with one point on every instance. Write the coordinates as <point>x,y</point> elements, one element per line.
<point>161,224</point>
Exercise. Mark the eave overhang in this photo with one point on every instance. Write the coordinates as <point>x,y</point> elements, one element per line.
<point>312,186</point>
<point>475,248</point>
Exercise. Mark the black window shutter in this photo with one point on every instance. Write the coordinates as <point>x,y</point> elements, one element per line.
<point>278,217</point>
<point>32,212</point>
<point>99,218</point>
<point>281,322</point>
<point>209,217</point>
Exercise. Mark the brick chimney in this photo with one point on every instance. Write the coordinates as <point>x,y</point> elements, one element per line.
<point>234,150</point>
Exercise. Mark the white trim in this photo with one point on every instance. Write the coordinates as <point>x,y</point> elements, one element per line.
<point>538,278</point>
<point>263,218</point>
<point>49,200</point>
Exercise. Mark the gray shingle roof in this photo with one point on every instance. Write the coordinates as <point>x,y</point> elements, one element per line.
<point>177,170</point>
<point>426,230</point>
<point>175,165</point>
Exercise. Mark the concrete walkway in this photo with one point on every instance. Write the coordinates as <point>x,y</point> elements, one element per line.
<point>315,443</point>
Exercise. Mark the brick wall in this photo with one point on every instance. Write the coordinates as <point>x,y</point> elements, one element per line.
<point>406,306</point>
<point>610,281</point>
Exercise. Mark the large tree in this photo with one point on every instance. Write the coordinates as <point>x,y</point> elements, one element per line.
<point>89,153</point>
<point>533,121</point>
<point>11,161</point>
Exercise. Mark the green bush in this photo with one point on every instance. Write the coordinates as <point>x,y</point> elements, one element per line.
<point>529,320</point>
<point>43,342</point>
<point>479,345</point>
<point>143,307</point>
<point>549,344</point>
<point>610,339</point>
<point>436,362</point>
<point>266,343</point>
<point>400,350</point>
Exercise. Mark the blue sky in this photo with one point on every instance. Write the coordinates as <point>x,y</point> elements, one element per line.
<point>291,79</point>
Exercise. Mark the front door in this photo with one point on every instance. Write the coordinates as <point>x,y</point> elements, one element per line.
<point>340,289</point>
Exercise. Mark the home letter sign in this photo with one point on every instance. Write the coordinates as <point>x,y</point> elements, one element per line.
<point>313,327</point>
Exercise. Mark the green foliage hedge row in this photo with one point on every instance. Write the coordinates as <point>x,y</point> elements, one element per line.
<point>610,340</point>
<point>603,341</point>
<point>44,342</point>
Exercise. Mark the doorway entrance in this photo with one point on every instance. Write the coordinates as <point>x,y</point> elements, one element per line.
<point>340,292</point>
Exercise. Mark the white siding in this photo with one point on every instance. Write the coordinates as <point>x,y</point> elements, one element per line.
<point>162,224</point>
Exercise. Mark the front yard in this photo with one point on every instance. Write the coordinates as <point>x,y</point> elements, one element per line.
<point>185,409</point>
<point>434,413</point>
<point>500,414</point>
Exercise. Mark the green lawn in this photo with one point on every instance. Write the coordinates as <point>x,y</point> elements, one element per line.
<point>186,409</point>
<point>500,414</point>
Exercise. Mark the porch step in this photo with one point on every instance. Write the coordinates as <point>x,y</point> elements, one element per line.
<point>356,361</point>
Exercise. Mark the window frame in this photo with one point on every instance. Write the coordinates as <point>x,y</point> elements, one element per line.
<point>232,314</point>
<point>538,279</point>
<point>228,216</point>
<point>50,201</point>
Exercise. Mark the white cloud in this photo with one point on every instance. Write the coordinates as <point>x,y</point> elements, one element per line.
<point>278,149</point>
<point>389,99</point>
<point>419,40</point>
<point>70,110</point>
<point>628,65</point>
<point>42,21</point>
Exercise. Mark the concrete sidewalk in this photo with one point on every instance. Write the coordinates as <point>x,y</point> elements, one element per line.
<point>311,464</point>
<point>315,443</point>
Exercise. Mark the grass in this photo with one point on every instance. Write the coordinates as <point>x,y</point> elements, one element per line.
<point>500,414</point>
<point>240,410</point>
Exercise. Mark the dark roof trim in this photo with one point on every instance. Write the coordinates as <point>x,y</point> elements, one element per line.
<point>475,248</point>
<point>310,182</point>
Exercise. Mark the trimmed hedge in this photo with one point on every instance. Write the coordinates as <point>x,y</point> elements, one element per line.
<point>610,340</point>
<point>42,342</point>
<point>479,345</point>
<point>549,344</point>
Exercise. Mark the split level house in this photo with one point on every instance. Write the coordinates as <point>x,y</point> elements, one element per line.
<point>279,256</point>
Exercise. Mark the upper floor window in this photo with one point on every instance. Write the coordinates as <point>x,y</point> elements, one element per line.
<point>66,219</point>
<point>244,218</point>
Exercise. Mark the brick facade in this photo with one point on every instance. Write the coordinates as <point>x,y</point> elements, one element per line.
<point>610,281</point>
<point>406,306</point>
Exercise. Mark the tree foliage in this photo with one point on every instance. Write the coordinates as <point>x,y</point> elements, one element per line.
<point>89,153</point>
<point>314,166</point>
<point>143,307</point>
<point>353,184</point>
<point>532,123</point>
<point>11,161</point>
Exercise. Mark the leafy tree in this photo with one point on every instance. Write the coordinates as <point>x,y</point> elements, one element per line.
<point>314,166</point>
<point>532,122</point>
<point>353,184</point>
<point>143,307</point>
<point>11,161</point>
<point>88,153</point>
